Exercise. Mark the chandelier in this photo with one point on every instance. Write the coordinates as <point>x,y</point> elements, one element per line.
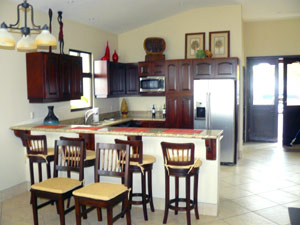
<point>26,43</point>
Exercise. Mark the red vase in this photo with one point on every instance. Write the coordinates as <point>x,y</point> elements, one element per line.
<point>115,57</point>
<point>107,52</point>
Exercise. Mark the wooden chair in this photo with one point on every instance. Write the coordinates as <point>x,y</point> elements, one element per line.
<point>69,156</point>
<point>38,152</point>
<point>111,160</point>
<point>180,161</point>
<point>140,163</point>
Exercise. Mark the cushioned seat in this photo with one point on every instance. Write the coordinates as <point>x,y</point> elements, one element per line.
<point>57,185</point>
<point>90,155</point>
<point>147,159</point>
<point>50,152</point>
<point>101,191</point>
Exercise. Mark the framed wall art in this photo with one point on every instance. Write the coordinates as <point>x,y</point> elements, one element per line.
<point>219,44</point>
<point>193,43</point>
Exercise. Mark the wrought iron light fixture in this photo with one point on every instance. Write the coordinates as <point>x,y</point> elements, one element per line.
<point>26,43</point>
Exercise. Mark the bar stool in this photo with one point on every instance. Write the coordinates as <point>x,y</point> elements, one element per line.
<point>180,161</point>
<point>37,152</point>
<point>140,163</point>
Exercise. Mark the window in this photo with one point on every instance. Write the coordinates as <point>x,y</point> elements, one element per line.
<point>86,100</point>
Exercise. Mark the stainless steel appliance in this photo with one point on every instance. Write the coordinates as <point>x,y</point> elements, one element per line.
<point>215,108</point>
<point>152,84</point>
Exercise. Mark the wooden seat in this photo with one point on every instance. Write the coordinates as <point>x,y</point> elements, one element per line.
<point>111,160</point>
<point>179,162</point>
<point>69,156</point>
<point>143,164</point>
<point>38,152</point>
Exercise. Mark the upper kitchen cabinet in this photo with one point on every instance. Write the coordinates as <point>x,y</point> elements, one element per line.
<point>179,77</point>
<point>215,68</point>
<point>52,77</point>
<point>153,68</point>
<point>115,79</point>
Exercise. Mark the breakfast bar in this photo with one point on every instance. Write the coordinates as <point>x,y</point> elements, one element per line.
<point>207,148</point>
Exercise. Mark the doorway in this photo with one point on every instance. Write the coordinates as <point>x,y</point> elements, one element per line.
<point>273,100</point>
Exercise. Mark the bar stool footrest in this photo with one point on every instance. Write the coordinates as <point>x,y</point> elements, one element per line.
<point>177,200</point>
<point>139,202</point>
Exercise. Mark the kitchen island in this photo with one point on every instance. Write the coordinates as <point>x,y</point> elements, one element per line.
<point>207,148</point>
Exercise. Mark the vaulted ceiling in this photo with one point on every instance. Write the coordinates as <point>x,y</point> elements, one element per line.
<point>118,16</point>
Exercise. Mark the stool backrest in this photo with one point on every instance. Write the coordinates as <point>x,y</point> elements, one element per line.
<point>68,156</point>
<point>136,149</point>
<point>112,160</point>
<point>36,144</point>
<point>75,139</point>
<point>178,154</point>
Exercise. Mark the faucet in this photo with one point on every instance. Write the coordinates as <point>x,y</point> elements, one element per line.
<point>92,112</point>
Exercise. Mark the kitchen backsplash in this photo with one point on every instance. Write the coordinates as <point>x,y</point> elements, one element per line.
<point>143,103</point>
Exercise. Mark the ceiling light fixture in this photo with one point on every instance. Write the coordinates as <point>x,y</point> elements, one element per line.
<point>26,43</point>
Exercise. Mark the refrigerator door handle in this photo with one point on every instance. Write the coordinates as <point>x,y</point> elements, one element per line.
<point>207,116</point>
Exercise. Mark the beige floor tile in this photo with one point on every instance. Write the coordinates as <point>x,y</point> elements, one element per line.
<point>279,197</point>
<point>218,222</point>
<point>249,219</point>
<point>236,180</point>
<point>295,204</point>
<point>278,214</point>
<point>233,193</point>
<point>256,187</point>
<point>293,190</point>
<point>254,202</point>
<point>229,208</point>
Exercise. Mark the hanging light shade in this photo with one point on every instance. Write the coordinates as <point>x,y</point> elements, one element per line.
<point>26,43</point>
<point>45,38</point>
<point>6,39</point>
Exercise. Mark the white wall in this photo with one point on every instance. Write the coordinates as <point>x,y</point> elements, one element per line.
<point>15,107</point>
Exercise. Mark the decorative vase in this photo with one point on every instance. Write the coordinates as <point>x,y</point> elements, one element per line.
<point>51,118</point>
<point>124,109</point>
<point>115,57</point>
<point>107,52</point>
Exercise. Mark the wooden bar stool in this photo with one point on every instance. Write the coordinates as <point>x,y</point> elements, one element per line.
<point>38,152</point>
<point>69,156</point>
<point>179,162</point>
<point>140,163</point>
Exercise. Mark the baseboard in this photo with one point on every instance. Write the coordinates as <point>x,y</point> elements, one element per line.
<point>13,191</point>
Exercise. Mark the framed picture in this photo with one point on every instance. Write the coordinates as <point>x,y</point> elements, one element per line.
<point>219,43</point>
<point>193,43</point>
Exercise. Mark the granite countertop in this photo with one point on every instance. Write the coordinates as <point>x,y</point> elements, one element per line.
<point>104,127</point>
<point>152,132</point>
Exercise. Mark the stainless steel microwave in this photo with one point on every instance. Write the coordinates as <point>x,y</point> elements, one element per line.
<point>152,84</point>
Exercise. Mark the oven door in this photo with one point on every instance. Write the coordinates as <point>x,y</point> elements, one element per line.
<point>152,84</point>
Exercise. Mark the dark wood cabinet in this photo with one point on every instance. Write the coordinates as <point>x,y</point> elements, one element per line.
<point>52,77</point>
<point>154,68</point>
<point>117,73</point>
<point>215,68</point>
<point>115,79</point>
<point>179,112</point>
<point>179,77</point>
<point>151,123</point>
<point>132,79</point>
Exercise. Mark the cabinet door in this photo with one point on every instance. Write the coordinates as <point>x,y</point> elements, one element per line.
<point>132,79</point>
<point>144,68</point>
<point>203,68</point>
<point>172,112</point>
<point>65,77</point>
<point>171,77</point>
<point>226,68</point>
<point>51,75</point>
<point>187,112</point>
<point>185,77</point>
<point>158,68</point>
<point>117,73</point>
<point>77,79</point>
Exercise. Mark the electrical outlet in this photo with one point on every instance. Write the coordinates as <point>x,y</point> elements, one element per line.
<point>31,115</point>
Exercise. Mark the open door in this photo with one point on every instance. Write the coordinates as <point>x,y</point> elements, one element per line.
<point>262,99</point>
<point>291,101</point>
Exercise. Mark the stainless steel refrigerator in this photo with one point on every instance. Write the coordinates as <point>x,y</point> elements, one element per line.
<point>215,108</point>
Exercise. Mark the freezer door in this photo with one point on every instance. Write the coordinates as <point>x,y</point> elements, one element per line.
<point>222,115</point>
<point>200,100</point>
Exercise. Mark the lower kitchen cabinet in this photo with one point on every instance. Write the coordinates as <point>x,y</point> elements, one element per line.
<point>52,77</point>
<point>151,123</point>
<point>179,112</point>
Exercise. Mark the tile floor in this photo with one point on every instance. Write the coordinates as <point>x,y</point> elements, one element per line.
<point>258,191</point>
